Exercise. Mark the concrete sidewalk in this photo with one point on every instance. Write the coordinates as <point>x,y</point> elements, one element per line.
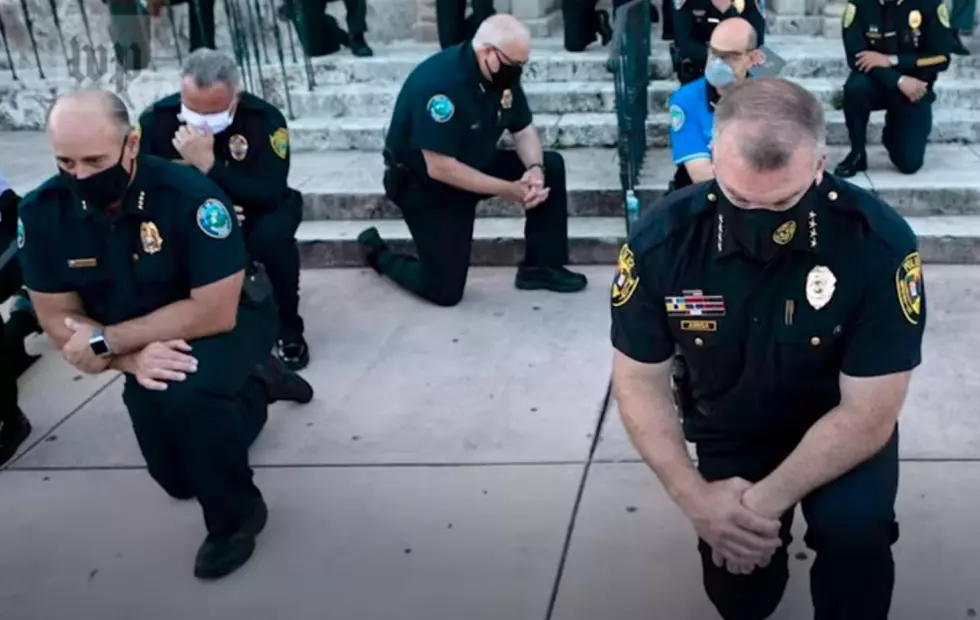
<point>435,477</point>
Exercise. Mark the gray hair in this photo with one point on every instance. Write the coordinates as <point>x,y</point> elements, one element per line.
<point>207,67</point>
<point>775,116</point>
<point>111,103</point>
<point>501,30</point>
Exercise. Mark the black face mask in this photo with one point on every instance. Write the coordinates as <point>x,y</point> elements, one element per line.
<point>103,188</point>
<point>763,232</point>
<point>506,77</point>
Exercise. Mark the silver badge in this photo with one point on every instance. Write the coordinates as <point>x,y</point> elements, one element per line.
<point>820,285</point>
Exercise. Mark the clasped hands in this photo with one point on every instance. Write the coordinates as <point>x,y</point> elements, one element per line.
<point>740,526</point>
<point>913,88</point>
<point>529,191</point>
<point>153,366</point>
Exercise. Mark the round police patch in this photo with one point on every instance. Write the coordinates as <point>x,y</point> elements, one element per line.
<point>908,281</point>
<point>213,219</point>
<point>440,108</point>
<point>21,236</point>
<point>676,117</point>
<point>626,281</point>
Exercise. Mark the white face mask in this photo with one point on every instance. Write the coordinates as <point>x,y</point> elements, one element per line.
<point>217,122</point>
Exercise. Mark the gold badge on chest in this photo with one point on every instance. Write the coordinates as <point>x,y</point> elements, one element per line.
<point>150,236</point>
<point>238,147</point>
<point>784,234</point>
<point>915,20</point>
<point>507,99</point>
<point>820,285</point>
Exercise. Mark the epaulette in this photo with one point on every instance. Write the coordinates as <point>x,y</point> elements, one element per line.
<point>877,215</point>
<point>669,215</point>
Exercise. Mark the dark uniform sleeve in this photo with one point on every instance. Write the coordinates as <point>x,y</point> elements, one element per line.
<point>639,317</point>
<point>261,186</point>
<point>436,123</point>
<point>937,42</point>
<point>688,44</point>
<point>887,337</point>
<point>521,116</point>
<point>144,129</point>
<point>38,245</point>
<point>215,244</point>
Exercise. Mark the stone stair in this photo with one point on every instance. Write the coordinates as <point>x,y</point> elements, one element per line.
<point>339,129</point>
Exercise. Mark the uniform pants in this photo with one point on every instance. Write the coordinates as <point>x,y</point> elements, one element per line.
<point>453,26</point>
<point>129,29</point>
<point>9,408</point>
<point>961,18</point>
<point>324,33</point>
<point>581,23</point>
<point>687,69</point>
<point>850,527</point>
<point>271,240</point>
<point>667,15</point>
<point>195,434</point>
<point>907,124</point>
<point>443,232</point>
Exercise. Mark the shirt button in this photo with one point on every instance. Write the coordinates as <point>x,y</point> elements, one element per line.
<point>755,320</point>
<point>815,341</point>
<point>698,342</point>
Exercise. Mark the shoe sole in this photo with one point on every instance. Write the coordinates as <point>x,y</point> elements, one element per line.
<point>251,533</point>
<point>533,286</point>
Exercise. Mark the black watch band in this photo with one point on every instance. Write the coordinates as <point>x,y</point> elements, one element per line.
<point>536,165</point>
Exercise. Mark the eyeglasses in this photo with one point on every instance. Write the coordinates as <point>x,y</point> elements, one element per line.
<point>728,54</point>
<point>507,60</point>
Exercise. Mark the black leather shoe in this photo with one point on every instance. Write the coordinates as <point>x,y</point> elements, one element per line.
<point>371,246</point>
<point>557,279</point>
<point>293,352</point>
<point>282,383</point>
<point>958,48</point>
<point>605,29</point>
<point>218,558</point>
<point>855,162</point>
<point>13,433</point>
<point>359,47</point>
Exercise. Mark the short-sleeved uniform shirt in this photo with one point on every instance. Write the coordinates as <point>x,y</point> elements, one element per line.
<point>175,232</point>
<point>251,155</point>
<point>765,342</point>
<point>446,106</point>
<point>692,121</point>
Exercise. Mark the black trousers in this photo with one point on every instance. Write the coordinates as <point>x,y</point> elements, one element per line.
<point>319,32</point>
<point>850,527</point>
<point>195,434</point>
<point>907,124</point>
<point>581,23</point>
<point>443,231</point>
<point>452,25</point>
<point>9,408</point>
<point>271,239</point>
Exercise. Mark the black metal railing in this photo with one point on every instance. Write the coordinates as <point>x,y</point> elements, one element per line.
<point>41,36</point>
<point>629,56</point>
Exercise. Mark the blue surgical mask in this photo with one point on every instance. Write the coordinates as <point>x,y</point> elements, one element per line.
<point>719,73</point>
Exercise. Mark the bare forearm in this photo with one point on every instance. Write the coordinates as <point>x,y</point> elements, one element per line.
<point>651,422</point>
<point>527,143</point>
<point>54,326</point>
<point>458,174</point>
<point>124,363</point>
<point>838,443</point>
<point>183,320</point>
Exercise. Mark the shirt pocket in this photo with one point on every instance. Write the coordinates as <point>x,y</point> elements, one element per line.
<point>808,355</point>
<point>714,361</point>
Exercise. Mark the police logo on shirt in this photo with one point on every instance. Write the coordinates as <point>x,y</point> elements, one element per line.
<point>626,280</point>
<point>238,147</point>
<point>908,281</point>
<point>915,20</point>
<point>850,11</point>
<point>280,142</point>
<point>21,236</point>
<point>213,219</point>
<point>150,237</point>
<point>820,286</point>
<point>507,99</point>
<point>440,108</point>
<point>784,234</point>
<point>676,117</point>
<point>942,12</point>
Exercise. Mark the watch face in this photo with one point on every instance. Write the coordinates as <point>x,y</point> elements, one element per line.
<point>99,347</point>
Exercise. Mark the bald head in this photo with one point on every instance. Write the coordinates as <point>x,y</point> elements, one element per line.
<point>89,131</point>
<point>734,34</point>
<point>506,34</point>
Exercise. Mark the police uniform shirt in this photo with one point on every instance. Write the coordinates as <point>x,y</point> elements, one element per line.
<point>174,232</point>
<point>692,121</point>
<point>446,106</point>
<point>251,155</point>
<point>765,341</point>
<point>695,20</point>
<point>917,32</point>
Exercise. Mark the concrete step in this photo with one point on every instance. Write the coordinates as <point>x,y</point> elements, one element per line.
<point>366,133</point>
<point>592,240</point>
<point>368,99</point>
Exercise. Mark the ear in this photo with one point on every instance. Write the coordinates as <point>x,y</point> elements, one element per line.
<point>821,166</point>
<point>757,59</point>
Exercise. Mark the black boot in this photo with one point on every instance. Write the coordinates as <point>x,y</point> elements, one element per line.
<point>855,162</point>
<point>292,350</point>
<point>220,557</point>
<point>359,47</point>
<point>958,47</point>
<point>371,247</point>
<point>557,279</point>
<point>282,383</point>
<point>13,433</point>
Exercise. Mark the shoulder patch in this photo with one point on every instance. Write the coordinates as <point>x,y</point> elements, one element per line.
<point>739,6</point>
<point>942,13</point>
<point>677,117</point>
<point>908,281</point>
<point>626,280</point>
<point>279,140</point>
<point>440,108</point>
<point>21,236</point>
<point>850,11</point>
<point>213,219</point>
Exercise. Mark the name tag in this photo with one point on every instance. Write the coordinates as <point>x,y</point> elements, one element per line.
<point>82,263</point>
<point>699,326</point>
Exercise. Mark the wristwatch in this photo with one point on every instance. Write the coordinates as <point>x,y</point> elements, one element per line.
<point>893,60</point>
<point>100,346</point>
<point>536,165</point>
